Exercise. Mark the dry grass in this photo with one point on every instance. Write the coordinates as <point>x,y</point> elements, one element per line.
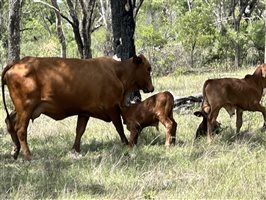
<point>232,167</point>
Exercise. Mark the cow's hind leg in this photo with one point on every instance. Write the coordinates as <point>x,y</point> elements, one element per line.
<point>81,126</point>
<point>116,120</point>
<point>22,123</point>
<point>10,123</point>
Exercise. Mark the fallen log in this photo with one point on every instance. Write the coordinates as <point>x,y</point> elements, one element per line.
<point>186,102</point>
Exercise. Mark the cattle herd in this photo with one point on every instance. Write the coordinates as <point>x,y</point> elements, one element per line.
<point>98,87</point>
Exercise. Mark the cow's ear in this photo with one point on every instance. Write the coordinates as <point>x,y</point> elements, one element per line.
<point>263,70</point>
<point>137,60</point>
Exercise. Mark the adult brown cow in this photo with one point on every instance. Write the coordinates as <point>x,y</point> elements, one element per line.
<point>60,88</point>
<point>233,94</point>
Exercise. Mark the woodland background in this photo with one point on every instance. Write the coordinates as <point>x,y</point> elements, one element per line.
<point>174,34</point>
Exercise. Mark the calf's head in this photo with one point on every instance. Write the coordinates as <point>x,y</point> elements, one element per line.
<point>261,72</point>
<point>202,128</point>
<point>143,74</point>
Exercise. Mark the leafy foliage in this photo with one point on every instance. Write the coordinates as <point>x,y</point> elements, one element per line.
<point>170,33</point>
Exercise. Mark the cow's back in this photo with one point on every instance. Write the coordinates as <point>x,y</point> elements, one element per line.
<point>72,86</point>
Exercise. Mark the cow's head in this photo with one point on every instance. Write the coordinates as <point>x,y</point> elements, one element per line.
<point>143,74</point>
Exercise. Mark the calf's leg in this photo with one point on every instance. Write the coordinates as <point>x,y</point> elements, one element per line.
<point>212,116</point>
<point>168,124</point>
<point>81,126</point>
<point>173,132</point>
<point>133,138</point>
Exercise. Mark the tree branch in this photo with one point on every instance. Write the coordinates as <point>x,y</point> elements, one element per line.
<point>136,9</point>
<point>54,8</point>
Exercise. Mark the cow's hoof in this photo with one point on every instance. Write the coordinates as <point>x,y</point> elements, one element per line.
<point>15,153</point>
<point>28,157</point>
<point>75,155</point>
<point>263,127</point>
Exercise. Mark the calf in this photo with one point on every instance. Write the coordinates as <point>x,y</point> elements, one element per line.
<point>202,128</point>
<point>233,94</point>
<point>151,111</point>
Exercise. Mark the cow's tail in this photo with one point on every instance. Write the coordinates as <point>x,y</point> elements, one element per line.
<point>3,83</point>
<point>205,106</point>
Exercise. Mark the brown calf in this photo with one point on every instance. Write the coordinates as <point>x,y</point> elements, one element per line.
<point>202,128</point>
<point>233,94</point>
<point>151,111</point>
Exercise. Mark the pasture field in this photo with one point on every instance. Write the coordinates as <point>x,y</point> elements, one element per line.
<point>231,167</point>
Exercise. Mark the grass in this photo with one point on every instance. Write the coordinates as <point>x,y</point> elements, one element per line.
<point>232,167</point>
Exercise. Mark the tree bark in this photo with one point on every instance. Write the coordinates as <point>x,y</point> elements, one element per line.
<point>242,11</point>
<point>123,25</point>
<point>86,29</point>
<point>107,21</point>
<point>75,26</point>
<point>123,28</point>
<point>1,18</point>
<point>60,32</point>
<point>264,17</point>
<point>14,30</point>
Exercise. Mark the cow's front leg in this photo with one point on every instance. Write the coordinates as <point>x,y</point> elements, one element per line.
<point>80,129</point>
<point>116,120</point>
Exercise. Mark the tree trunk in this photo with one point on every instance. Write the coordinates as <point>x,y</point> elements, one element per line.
<point>192,53</point>
<point>123,28</point>
<point>75,26</point>
<point>86,29</point>
<point>1,18</point>
<point>123,25</point>
<point>60,32</point>
<point>242,11</point>
<point>107,21</point>
<point>14,30</point>
<point>264,17</point>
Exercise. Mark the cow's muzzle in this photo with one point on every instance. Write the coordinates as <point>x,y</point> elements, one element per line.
<point>147,90</point>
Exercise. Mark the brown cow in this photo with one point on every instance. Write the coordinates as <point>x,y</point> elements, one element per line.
<point>151,111</point>
<point>60,88</point>
<point>233,94</point>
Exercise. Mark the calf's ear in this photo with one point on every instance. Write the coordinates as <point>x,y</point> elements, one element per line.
<point>137,60</point>
<point>263,70</point>
<point>198,113</point>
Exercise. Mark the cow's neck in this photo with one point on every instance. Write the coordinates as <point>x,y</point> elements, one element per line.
<point>125,72</point>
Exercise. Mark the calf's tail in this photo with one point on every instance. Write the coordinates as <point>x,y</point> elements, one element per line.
<point>205,106</point>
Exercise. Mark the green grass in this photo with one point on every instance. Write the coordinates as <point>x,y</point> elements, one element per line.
<point>232,167</point>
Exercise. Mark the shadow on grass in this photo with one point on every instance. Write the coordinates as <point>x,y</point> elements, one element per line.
<point>256,137</point>
<point>228,136</point>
